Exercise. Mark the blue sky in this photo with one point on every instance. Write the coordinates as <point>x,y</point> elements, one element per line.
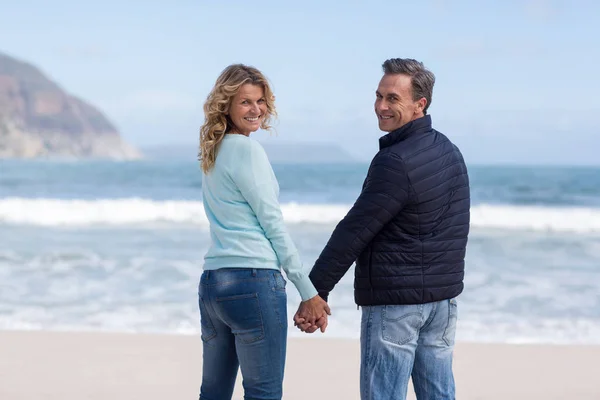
<point>517,81</point>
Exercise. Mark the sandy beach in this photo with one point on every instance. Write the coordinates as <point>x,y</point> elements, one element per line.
<point>94,366</point>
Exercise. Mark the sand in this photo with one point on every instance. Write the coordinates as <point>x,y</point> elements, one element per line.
<point>81,366</point>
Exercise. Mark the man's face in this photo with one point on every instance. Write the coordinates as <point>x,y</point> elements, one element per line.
<point>394,104</point>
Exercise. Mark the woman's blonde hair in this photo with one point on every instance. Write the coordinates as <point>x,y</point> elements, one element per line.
<point>216,122</point>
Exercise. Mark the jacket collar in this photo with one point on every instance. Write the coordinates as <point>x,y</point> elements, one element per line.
<point>419,125</point>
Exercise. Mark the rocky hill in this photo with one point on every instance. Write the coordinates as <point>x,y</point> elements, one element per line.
<point>40,120</point>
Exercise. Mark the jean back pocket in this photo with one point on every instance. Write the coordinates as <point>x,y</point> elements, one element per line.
<point>450,331</point>
<point>206,325</point>
<point>243,315</point>
<point>401,323</point>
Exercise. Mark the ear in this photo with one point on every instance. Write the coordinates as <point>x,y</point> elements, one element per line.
<point>421,103</point>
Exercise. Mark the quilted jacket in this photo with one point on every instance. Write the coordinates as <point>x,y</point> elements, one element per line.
<point>407,231</point>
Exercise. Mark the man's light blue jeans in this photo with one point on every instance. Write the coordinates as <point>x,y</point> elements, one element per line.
<point>398,341</point>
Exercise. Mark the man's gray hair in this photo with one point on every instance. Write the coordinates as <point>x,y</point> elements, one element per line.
<point>421,78</point>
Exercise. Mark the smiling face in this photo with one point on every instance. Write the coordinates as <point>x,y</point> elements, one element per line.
<point>247,109</point>
<point>394,104</point>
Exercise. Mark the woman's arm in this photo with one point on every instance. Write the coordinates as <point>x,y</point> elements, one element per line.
<point>254,178</point>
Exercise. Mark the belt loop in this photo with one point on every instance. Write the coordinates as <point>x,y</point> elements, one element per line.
<point>254,272</point>
<point>208,274</point>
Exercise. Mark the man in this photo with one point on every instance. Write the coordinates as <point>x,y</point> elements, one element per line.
<point>407,232</point>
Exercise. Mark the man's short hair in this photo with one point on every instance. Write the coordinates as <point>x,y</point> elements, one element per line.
<point>422,80</point>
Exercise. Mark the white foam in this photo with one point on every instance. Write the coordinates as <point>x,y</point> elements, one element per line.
<point>58,212</point>
<point>52,212</point>
<point>537,218</point>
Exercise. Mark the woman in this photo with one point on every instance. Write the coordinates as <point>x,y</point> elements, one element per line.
<point>242,292</point>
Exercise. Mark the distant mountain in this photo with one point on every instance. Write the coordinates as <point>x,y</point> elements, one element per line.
<point>40,120</point>
<point>278,153</point>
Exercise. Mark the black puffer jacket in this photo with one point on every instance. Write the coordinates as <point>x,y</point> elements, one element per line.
<point>407,231</point>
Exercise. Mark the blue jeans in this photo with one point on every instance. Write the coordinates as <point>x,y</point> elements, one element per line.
<point>398,341</point>
<point>243,317</point>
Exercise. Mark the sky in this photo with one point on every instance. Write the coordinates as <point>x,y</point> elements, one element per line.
<point>516,81</point>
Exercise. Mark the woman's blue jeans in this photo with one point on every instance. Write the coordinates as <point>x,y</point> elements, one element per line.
<point>243,317</point>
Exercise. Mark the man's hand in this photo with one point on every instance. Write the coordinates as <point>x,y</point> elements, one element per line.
<point>312,315</point>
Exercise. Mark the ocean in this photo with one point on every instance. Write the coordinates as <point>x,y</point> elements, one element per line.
<point>118,246</point>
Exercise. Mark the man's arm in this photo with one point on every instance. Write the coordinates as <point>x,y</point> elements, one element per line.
<point>385,193</point>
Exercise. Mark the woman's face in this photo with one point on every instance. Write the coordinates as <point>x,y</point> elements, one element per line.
<point>248,109</point>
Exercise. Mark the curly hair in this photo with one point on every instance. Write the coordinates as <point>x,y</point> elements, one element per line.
<point>216,122</point>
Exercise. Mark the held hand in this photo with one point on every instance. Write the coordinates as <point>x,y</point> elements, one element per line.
<point>321,324</point>
<point>312,315</point>
<point>311,310</point>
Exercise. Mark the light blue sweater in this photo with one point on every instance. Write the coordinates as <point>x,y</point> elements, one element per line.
<point>240,196</point>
